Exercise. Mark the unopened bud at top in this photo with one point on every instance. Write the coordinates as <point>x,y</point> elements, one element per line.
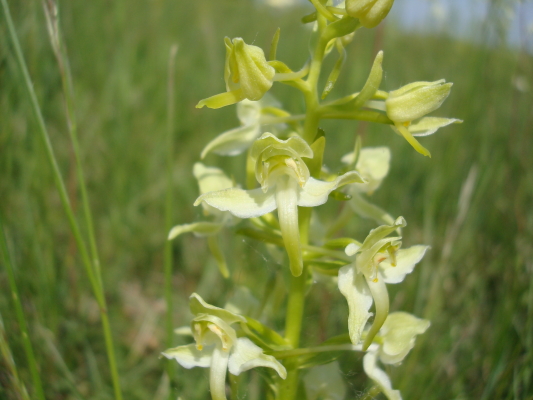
<point>369,12</point>
<point>247,68</point>
<point>416,99</point>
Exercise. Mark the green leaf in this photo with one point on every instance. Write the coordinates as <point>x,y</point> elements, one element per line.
<point>261,236</point>
<point>312,360</point>
<point>341,243</point>
<point>339,196</point>
<point>309,18</point>
<point>341,27</point>
<point>330,268</point>
<point>372,83</point>
<point>315,164</point>
<point>267,336</point>
<point>274,45</point>
<point>334,74</point>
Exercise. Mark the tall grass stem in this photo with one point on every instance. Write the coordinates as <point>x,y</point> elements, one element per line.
<point>92,270</point>
<point>9,362</point>
<point>21,318</point>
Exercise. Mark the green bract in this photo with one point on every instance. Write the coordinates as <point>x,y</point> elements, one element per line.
<point>247,74</point>
<point>218,347</point>
<point>369,12</point>
<point>285,185</point>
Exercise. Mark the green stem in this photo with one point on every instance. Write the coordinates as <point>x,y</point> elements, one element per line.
<point>296,301</point>
<point>92,268</point>
<point>28,348</point>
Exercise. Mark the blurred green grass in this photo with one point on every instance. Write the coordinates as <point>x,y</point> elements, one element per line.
<point>476,284</point>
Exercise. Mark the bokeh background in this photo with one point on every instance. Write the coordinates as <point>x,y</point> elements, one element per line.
<point>471,202</point>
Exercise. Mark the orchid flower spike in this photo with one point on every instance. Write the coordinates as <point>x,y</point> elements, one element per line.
<point>394,341</point>
<point>285,184</point>
<point>246,72</point>
<point>217,347</point>
<point>378,261</point>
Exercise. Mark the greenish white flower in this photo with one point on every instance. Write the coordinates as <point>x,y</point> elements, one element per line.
<point>285,184</point>
<point>378,262</point>
<point>251,115</point>
<point>246,72</point>
<point>394,341</point>
<point>373,165</point>
<point>369,12</point>
<point>413,101</point>
<point>218,348</point>
<point>209,179</point>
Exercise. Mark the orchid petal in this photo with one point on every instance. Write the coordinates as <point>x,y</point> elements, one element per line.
<point>406,259</point>
<point>232,142</point>
<point>365,261</point>
<point>380,232</point>
<point>379,376</point>
<point>295,144</point>
<point>189,356</point>
<point>198,228</point>
<point>429,125</point>
<point>286,200</point>
<point>217,375</point>
<point>399,333</point>
<point>381,300</point>
<point>210,179</point>
<point>241,203</point>
<point>199,306</point>
<point>411,139</point>
<point>315,192</point>
<point>222,99</point>
<point>357,293</point>
<point>249,111</point>
<point>373,165</point>
<point>246,355</point>
<point>208,329</point>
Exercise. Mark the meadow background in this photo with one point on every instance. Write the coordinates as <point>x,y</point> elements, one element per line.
<point>471,202</point>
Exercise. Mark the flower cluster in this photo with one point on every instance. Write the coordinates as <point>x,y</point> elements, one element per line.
<point>286,182</point>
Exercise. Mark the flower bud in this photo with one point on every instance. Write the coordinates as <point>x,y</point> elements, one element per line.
<point>369,12</point>
<point>416,99</point>
<point>247,69</point>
